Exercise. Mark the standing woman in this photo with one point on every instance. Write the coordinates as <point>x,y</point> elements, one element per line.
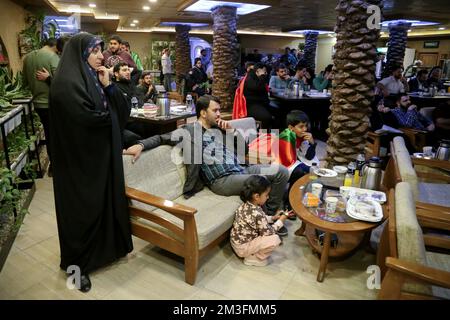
<point>89,114</point>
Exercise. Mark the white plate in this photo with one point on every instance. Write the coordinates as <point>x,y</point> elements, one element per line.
<point>422,155</point>
<point>327,173</point>
<point>349,192</point>
<point>365,210</point>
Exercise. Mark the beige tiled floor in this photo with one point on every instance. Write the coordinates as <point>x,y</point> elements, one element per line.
<point>32,269</point>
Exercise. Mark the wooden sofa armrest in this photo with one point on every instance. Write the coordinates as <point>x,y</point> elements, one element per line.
<point>434,163</point>
<point>417,138</point>
<point>433,216</point>
<point>419,272</point>
<point>176,209</point>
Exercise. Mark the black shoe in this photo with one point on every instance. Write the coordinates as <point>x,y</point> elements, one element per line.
<point>50,171</point>
<point>282,232</point>
<point>85,283</point>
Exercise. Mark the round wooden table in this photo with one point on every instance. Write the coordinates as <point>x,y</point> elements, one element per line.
<point>350,233</point>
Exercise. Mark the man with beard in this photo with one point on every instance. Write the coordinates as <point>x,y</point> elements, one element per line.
<point>145,90</point>
<point>393,85</point>
<point>122,77</point>
<point>114,54</point>
<point>408,116</point>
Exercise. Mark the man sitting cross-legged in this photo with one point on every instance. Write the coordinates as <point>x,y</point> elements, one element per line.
<point>209,160</point>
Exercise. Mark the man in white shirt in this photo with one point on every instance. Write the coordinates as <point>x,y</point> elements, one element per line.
<point>394,84</point>
<point>166,64</point>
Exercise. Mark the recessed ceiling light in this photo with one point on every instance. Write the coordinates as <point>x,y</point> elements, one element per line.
<point>135,21</point>
<point>305,31</point>
<point>92,5</point>
<point>409,30</point>
<point>152,0</point>
<point>441,28</point>
<point>146,8</point>
<point>132,25</point>
<point>414,23</point>
<point>242,8</point>
<point>192,24</point>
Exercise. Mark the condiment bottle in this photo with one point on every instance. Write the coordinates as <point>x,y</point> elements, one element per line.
<point>312,171</point>
<point>360,161</point>
<point>348,180</point>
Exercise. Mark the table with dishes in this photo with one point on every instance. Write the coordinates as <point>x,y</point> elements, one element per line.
<point>336,219</point>
<point>314,103</point>
<point>154,123</point>
<point>424,99</point>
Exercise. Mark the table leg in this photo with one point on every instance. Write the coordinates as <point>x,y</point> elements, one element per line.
<point>324,257</point>
<point>301,230</point>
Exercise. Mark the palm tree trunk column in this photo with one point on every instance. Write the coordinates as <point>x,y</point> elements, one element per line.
<point>398,35</point>
<point>182,53</point>
<point>309,56</point>
<point>353,83</point>
<point>224,54</point>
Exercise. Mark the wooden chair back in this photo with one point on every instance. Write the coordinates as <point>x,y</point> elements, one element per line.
<point>392,172</point>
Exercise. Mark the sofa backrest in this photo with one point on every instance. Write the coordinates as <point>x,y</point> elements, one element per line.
<point>410,244</point>
<point>158,171</point>
<point>246,127</point>
<point>405,165</point>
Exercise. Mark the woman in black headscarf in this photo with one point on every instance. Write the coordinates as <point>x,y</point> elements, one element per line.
<point>88,113</point>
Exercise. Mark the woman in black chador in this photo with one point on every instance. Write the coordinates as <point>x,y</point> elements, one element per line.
<point>88,114</point>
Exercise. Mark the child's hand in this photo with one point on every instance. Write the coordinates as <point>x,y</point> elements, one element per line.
<point>308,137</point>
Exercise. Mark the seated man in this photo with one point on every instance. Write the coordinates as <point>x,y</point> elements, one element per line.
<point>122,76</point>
<point>302,76</point>
<point>408,116</point>
<point>209,160</point>
<point>392,86</point>
<point>279,83</point>
<point>146,92</point>
<point>419,82</point>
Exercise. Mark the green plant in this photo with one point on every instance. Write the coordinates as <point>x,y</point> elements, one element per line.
<point>30,37</point>
<point>29,170</point>
<point>10,202</point>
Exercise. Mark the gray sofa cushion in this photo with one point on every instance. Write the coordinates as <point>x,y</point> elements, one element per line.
<point>215,215</point>
<point>158,171</point>
<point>435,193</point>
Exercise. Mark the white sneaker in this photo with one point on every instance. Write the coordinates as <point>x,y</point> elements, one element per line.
<point>254,261</point>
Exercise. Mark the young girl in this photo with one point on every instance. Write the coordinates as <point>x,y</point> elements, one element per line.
<point>252,237</point>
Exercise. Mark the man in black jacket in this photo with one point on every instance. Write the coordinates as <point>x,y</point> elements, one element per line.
<point>145,90</point>
<point>419,82</point>
<point>209,160</point>
<point>122,76</point>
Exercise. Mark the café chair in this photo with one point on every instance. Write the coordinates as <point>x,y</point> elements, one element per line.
<point>175,96</point>
<point>408,270</point>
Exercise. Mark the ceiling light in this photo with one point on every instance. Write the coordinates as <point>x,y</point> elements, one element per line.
<point>135,21</point>
<point>242,8</point>
<point>146,8</point>
<point>132,25</point>
<point>305,31</point>
<point>192,24</point>
<point>92,5</point>
<point>152,0</point>
<point>414,23</point>
<point>441,28</point>
<point>409,30</point>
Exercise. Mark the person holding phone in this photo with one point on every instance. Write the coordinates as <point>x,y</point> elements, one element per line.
<point>88,114</point>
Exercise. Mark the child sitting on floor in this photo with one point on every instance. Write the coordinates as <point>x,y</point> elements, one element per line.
<point>252,237</point>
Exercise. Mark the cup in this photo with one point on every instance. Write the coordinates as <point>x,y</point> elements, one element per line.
<point>325,91</point>
<point>428,151</point>
<point>300,93</point>
<point>331,204</point>
<point>316,189</point>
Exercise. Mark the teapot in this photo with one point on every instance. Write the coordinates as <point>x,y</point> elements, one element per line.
<point>371,174</point>
<point>163,103</point>
<point>443,152</point>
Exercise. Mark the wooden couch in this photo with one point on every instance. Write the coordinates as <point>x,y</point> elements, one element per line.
<point>161,215</point>
<point>410,272</point>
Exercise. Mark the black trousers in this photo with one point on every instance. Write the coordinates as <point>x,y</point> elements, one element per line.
<point>45,119</point>
<point>268,116</point>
